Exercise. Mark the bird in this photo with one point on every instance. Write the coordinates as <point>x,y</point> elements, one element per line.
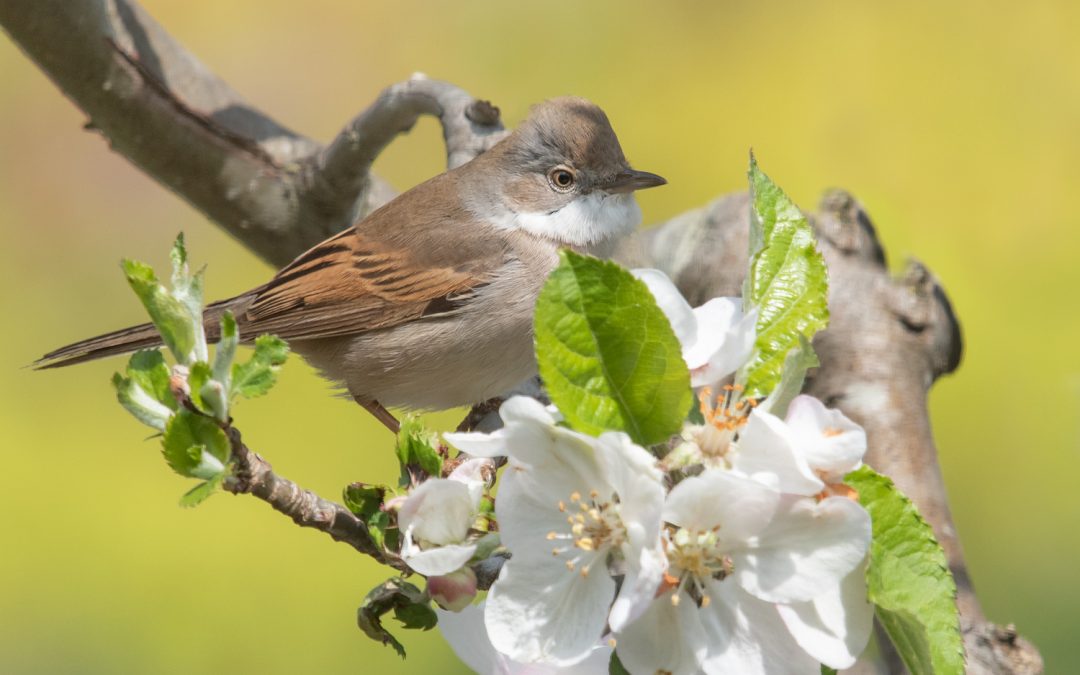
<point>427,302</point>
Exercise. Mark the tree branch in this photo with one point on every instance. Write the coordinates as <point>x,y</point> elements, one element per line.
<point>253,475</point>
<point>888,340</point>
<point>276,191</point>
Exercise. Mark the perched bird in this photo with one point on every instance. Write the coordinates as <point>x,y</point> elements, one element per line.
<point>427,302</point>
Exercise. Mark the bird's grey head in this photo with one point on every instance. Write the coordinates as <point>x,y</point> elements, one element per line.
<point>565,176</point>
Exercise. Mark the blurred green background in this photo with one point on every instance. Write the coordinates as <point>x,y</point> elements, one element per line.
<point>958,125</point>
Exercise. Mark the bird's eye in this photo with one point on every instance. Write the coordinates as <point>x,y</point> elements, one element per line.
<point>561,179</point>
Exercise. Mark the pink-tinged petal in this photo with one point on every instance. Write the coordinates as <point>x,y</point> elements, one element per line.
<point>740,506</point>
<point>767,453</point>
<point>454,591</point>
<point>638,591</point>
<point>666,638</point>
<point>683,320</point>
<point>438,512</point>
<point>539,612</point>
<point>435,561</point>
<point>830,442</point>
<point>806,550</point>
<point>747,636</point>
<point>834,627</point>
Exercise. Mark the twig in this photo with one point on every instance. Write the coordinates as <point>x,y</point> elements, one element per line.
<point>253,475</point>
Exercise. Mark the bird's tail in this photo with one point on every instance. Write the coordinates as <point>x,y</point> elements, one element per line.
<point>131,339</point>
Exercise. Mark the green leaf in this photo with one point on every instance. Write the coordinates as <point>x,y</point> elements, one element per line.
<point>417,449</point>
<point>198,494</point>
<point>188,290</point>
<point>418,616</point>
<point>398,595</point>
<point>825,670</point>
<point>226,350</point>
<point>170,316</point>
<point>362,499</point>
<point>787,283</point>
<point>909,580</point>
<point>615,666</point>
<point>798,361</point>
<point>607,353</point>
<point>147,369</point>
<point>198,375</point>
<point>259,373</point>
<point>195,446</point>
<point>141,404</point>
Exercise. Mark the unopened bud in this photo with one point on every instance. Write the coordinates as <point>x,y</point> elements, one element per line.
<point>454,591</point>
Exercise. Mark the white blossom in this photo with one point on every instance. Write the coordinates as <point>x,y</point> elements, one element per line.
<point>716,337</point>
<point>435,519</point>
<point>738,551</point>
<point>573,510</point>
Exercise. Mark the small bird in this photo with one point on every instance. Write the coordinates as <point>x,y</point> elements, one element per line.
<point>427,302</point>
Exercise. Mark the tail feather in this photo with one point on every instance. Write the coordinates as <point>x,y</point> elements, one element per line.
<point>127,340</point>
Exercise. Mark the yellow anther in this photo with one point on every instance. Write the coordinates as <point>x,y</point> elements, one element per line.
<point>578,529</point>
<point>575,496</point>
<point>705,601</point>
<point>570,565</point>
<point>585,544</point>
<point>562,505</point>
<point>611,643</point>
<point>551,535</point>
<point>594,494</point>
<point>584,572</point>
<point>675,599</point>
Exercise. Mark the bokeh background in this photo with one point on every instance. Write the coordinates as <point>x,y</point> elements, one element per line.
<point>958,125</point>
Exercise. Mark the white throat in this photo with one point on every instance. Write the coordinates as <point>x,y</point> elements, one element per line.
<point>592,219</point>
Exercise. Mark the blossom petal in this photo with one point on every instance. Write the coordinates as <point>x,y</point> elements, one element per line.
<point>471,473</point>
<point>633,475</point>
<point>725,340</point>
<point>439,512</point>
<point>806,550</point>
<point>638,591</point>
<point>537,611</point>
<point>747,636</point>
<point>435,561</point>
<point>740,506</point>
<point>468,638</point>
<point>830,442</point>
<point>834,627</point>
<point>767,453</point>
<point>479,444</point>
<point>667,637</point>
<point>683,320</point>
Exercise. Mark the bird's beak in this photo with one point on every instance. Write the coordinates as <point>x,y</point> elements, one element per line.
<point>630,180</point>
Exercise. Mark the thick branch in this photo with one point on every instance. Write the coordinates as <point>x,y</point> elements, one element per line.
<point>253,475</point>
<point>276,191</point>
<point>888,340</point>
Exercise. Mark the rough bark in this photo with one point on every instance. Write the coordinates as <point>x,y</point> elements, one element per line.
<point>279,192</point>
<point>275,190</point>
<point>888,340</point>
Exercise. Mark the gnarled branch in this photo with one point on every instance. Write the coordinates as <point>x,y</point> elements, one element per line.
<point>275,190</point>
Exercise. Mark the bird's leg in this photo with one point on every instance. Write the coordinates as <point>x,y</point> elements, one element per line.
<point>479,412</point>
<point>380,413</point>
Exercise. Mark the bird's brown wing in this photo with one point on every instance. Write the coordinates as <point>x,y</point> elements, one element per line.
<point>355,282</point>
